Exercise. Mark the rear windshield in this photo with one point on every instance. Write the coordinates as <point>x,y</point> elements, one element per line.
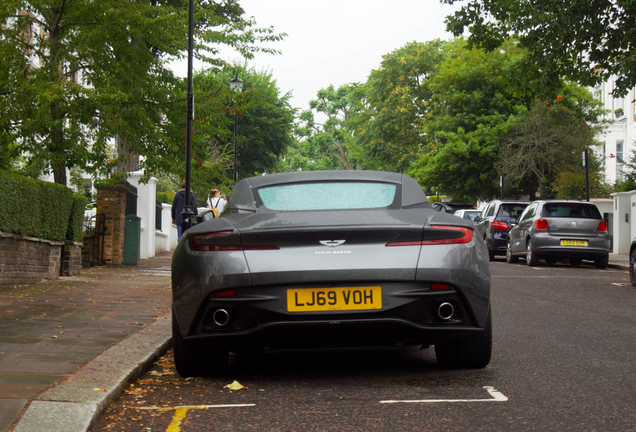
<point>327,196</point>
<point>511,210</point>
<point>565,210</point>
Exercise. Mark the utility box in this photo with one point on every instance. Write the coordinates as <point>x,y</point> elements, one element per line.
<point>132,239</point>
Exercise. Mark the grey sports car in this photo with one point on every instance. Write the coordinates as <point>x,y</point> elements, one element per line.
<point>330,259</point>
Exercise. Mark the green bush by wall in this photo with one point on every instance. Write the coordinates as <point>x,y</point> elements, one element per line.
<point>37,208</point>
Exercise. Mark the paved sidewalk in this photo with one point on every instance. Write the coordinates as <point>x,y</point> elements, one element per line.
<point>69,347</point>
<point>619,261</point>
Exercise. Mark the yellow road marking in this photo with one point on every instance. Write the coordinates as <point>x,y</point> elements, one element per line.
<point>181,411</point>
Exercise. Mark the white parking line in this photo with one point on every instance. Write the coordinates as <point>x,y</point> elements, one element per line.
<point>496,397</point>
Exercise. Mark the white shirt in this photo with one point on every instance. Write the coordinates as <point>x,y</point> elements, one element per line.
<point>218,203</point>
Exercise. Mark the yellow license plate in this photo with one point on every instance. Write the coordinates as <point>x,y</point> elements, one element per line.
<point>573,242</point>
<point>334,299</point>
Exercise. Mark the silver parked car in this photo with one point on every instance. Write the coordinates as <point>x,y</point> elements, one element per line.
<point>330,259</point>
<point>554,230</point>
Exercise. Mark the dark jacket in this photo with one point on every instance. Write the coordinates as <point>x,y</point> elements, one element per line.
<point>178,203</point>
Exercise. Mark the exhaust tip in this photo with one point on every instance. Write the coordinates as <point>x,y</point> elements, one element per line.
<point>445,311</point>
<point>221,317</point>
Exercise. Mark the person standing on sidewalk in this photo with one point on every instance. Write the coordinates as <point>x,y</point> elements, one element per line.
<point>217,201</point>
<point>178,203</point>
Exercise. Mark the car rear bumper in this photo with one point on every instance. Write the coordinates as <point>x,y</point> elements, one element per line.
<point>550,245</point>
<point>257,322</point>
<point>309,335</point>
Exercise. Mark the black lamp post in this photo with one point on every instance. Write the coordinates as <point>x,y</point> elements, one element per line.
<point>236,85</point>
<point>187,214</point>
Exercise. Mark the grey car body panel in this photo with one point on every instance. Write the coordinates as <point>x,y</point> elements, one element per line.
<point>548,243</point>
<point>262,276</point>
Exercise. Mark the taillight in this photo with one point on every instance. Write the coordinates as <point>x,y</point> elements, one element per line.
<point>440,286</point>
<point>225,293</point>
<point>466,237</point>
<point>498,225</point>
<point>541,225</point>
<point>210,242</point>
<point>602,226</point>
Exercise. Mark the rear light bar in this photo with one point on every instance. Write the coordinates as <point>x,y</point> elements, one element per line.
<point>465,238</point>
<point>200,243</point>
<point>602,226</point>
<point>498,225</point>
<point>541,225</point>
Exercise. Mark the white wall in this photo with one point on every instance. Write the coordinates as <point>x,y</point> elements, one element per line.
<point>146,210</point>
<point>622,221</point>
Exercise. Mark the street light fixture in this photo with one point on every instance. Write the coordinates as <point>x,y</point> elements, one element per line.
<point>236,85</point>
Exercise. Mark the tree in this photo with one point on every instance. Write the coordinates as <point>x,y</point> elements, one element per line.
<point>78,74</point>
<point>586,41</point>
<point>542,142</point>
<point>394,105</point>
<point>472,95</point>
<point>328,145</point>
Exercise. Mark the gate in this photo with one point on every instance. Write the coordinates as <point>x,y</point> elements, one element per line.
<point>93,247</point>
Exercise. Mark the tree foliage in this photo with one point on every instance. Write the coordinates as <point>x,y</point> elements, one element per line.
<point>328,145</point>
<point>76,74</point>
<point>542,142</point>
<point>586,41</point>
<point>394,105</point>
<point>472,97</point>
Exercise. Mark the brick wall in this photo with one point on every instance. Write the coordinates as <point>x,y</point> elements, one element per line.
<point>112,202</point>
<point>25,260</point>
<point>71,258</point>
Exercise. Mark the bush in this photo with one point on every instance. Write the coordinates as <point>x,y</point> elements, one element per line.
<point>34,208</point>
<point>76,220</point>
<point>165,197</point>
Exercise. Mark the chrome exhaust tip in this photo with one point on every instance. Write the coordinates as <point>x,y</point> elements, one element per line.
<point>446,311</point>
<point>221,317</point>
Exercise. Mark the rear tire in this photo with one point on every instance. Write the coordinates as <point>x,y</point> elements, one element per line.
<point>532,259</point>
<point>472,352</point>
<point>491,255</point>
<point>601,262</point>
<point>195,359</point>
<point>510,258</point>
<point>576,262</point>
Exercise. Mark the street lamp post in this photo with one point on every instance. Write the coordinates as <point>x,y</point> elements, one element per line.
<point>236,85</point>
<point>188,213</point>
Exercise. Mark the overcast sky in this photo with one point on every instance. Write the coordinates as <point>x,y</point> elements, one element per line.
<point>338,41</point>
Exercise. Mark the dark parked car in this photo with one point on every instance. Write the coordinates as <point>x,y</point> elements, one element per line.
<point>555,230</point>
<point>450,207</point>
<point>331,259</point>
<point>495,221</point>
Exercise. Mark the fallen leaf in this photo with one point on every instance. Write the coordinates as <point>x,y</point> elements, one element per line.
<point>99,389</point>
<point>235,386</point>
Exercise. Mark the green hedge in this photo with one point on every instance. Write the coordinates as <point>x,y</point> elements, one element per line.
<point>39,209</point>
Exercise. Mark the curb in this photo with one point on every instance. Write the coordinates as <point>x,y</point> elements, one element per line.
<point>77,402</point>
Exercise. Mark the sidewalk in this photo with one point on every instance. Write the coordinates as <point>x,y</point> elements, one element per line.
<point>69,347</point>
<point>619,261</point>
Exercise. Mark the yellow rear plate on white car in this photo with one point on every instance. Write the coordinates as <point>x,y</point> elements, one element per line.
<point>334,299</point>
<point>573,242</point>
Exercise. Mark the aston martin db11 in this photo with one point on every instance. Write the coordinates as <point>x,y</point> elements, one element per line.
<point>330,259</point>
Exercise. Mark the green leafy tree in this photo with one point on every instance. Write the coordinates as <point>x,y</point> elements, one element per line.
<point>472,97</point>
<point>394,105</point>
<point>586,41</point>
<point>327,145</point>
<point>542,142</point>
<point>78,74</point>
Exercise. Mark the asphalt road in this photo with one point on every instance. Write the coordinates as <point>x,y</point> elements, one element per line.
<point>563,360</point>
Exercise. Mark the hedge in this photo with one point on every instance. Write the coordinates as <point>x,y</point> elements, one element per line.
<point>39,209</point>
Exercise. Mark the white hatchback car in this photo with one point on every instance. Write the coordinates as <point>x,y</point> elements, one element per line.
<point>469,214</point>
